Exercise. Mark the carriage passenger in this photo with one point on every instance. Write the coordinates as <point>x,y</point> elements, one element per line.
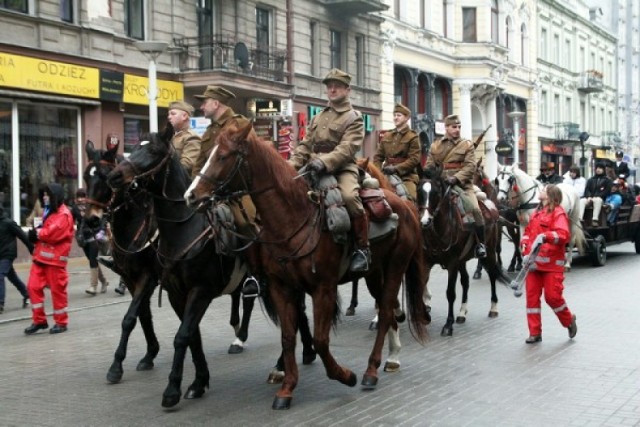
<point>548,174</point>
<point>457,157</point>
<point>399,151</point>
<point>550,225</point>
<point>621,167</point>
<point>595,193</point>
<point>334,138</point>
<point>185,140</point>
<point>613,202</point>
<point>573,178</point>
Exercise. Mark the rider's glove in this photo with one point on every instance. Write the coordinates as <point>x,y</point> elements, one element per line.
<point>452,180</point>
<point>390,170</point>
<point>316,165</point>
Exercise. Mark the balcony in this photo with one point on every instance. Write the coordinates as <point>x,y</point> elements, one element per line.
<point>353,7</point>
<point>220,52</point>
<point>590,81</point>
<point>567,131</point>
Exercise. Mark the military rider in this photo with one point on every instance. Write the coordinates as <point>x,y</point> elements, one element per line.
<point>458,160</point>
<point>399,151</point>
<point>333,139</point>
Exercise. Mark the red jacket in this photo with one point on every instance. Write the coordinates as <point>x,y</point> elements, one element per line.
<point>55,238</point>
<point>555,227</point>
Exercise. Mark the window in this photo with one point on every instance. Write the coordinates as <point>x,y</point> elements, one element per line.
<point>556,48</point>
<point>263,36</point>
<point>581,59</point>
<point>469,33</point>
<point>134,19</point>
<point>66,10</point>
<point>543,43</point>
<point>359,77</point>
<point>543,107</point>
<point>556,106</point>
<point>524,45</point>
<point>336,49</point>
<point>16,5</point>
<point>441,98</point>
<point>495,33</point>
<point>508,29</point>
<point>423,13</point>
<point>567,54</point>
<point>314,48</point>
<point>445,18</point>
<point>396,9</point>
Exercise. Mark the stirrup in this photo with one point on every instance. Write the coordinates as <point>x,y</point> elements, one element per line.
<point>251,288</point>
<point>360,260</point>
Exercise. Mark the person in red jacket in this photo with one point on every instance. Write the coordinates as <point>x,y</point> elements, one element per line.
<point>549,225</point>
<point>49,268</point>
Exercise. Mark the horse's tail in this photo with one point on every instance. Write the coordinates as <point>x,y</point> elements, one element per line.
<point>415,288</point>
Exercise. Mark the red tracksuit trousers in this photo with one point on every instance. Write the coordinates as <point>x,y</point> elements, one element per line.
<point>552,284</point>
<point>56,278</point>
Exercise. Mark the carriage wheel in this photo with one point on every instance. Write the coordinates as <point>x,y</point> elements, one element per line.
<point>599,254</point>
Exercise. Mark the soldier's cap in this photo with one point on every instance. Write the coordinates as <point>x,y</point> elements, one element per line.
<point>182,106</point>
<point>452,120</point>
<point>337,75</point>
<point>399,108</point>
<point>217,92</point>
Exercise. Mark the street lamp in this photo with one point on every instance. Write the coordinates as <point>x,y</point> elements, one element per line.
<point>152,49</point>
<point>516,115</point>
<point>583,137</point>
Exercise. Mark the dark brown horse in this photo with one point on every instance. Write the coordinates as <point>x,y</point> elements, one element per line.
<point>299,255</point>
<point>451,246</point>
<point>132,249</point>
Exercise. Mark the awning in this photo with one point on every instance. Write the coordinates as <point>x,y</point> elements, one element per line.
<point>48,98</point>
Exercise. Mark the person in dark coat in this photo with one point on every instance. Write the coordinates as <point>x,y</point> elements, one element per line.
<point>9,231</point>
<point>621,167</point>
<point>548,174</point>
<point>596,192</point>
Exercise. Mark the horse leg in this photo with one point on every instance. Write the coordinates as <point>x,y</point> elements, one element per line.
<point>494,270</point>
<point>146,322</point>
<point>354,299</point>
<point>276,376</point>
<point>242,333</point>
<point>447,329</point>
<point>308,352</point>
<point>234,320</point>
<point>398,313</point>
<point>464,281</point>
<point>393,360</point>
<point>478,273</point>
<point>188,335</point>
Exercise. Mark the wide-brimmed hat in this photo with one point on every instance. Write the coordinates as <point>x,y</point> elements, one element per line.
<point>217,92</point>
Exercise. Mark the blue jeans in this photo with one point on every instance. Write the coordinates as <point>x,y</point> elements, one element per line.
<point>6,269</point>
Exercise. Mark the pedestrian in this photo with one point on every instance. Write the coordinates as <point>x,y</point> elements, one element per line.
<point>334,137</point>
<point>9,231</point>
<point>548,174</point>
<point>49,267</point>
<point>185,140</point>
<point>90,239</point>
<point>457,157</point>
<point>549,224</point>
<point>399,151</point>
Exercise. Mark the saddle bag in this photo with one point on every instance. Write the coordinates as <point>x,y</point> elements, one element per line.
<point>375,203</point>
<point>338,221</point>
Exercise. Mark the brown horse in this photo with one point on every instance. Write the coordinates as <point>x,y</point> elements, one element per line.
<point>298,255</point>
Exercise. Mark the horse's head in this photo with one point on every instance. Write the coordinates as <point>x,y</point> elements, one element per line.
<point>149,158</point>
<point>430,193</point>
<point>506,182</point>
<point>224,172</point>
<point>99,164</point>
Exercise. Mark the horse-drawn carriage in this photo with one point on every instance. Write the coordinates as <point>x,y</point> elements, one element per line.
<point>625,228</point>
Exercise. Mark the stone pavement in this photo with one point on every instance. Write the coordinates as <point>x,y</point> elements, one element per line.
<point>482,376</point>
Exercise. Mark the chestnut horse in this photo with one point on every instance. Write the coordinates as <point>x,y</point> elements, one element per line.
<point>299,255</point>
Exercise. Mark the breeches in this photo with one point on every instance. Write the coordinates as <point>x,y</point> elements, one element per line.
<point>552,285</point>
<point>57,279</point>
<point>412,189</point>
<point>470,200</point>
<point>350,190</point>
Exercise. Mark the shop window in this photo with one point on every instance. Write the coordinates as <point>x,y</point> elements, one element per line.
<point>134,18</point>
<point>133,128</point>
<point>15,5</point>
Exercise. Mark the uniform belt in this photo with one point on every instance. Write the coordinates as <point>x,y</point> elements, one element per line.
<point>395,160</point>
<point>452,165</point>
<point>323,147</point>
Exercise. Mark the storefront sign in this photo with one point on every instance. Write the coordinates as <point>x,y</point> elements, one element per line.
<point>563,150</point>
<point>48,76</point>
<point>605,154</point>
<point>504,147</point>
<point>136,89</point>
<point>267,107</point>
<point>111,85</point>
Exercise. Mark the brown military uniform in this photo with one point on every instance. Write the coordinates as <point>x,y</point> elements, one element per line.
<point>401,148</point>
<point>187,144</point>
<point>335,136</point>
<point>458,159</point>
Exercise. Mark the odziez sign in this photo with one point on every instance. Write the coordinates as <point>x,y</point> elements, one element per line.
<point>504,147</point>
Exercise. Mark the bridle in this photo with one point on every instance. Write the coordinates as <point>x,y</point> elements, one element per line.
<point>434,214</point>
<point>514,189</point>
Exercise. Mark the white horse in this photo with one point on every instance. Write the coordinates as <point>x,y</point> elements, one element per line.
<point>521,190</point>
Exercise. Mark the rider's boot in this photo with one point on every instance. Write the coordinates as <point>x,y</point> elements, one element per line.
<point>361,258</point>
<point>481,249</point>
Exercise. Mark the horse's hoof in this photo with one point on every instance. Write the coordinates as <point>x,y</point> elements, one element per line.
<point>114,376</point>
<point>401,317</point>
<point>493,314</point>
<point>369,382</point>
<point>308,358</point>
<point>350,311</point>
<point>477,275</point>
<point>461,319</point>
<point>280,403</point>
<point>373,326</point>
<point>511,269</point>
<point>391,367</point>
<point>235,349</point>
<point>275,377</point>
<point>194,393</point>
<point>143,365</point>
<point>170,401</point>
<point>446,332</point>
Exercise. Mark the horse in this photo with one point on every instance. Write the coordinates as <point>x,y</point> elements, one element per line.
<point>134,256</point>
<point>517,187</point>
<point>451,246</point>
<point>300,256</point>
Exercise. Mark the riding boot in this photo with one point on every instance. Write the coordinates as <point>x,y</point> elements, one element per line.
<point>481,249</point>
<point>93,284</point>
<point>103,281</point>
<point>361,257</point>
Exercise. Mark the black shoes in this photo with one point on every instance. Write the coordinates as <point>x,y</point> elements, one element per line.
<point>121,289</point>
<point>58,329</point>
<point>36,327</point>
<point>533,339</point>
<point>25,302</point>
<point>573,328</point>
